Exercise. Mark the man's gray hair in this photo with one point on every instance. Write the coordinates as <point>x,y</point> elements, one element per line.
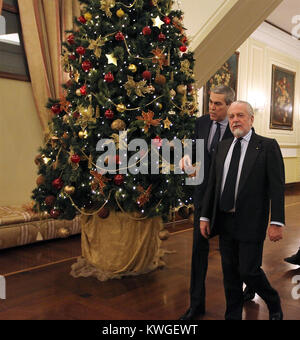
<point>227,91</point>
<point>248,105</point>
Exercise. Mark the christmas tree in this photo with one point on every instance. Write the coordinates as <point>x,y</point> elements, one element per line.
<point>130,71</point>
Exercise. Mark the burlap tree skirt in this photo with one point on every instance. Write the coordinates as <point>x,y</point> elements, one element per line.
<point>118,246</point>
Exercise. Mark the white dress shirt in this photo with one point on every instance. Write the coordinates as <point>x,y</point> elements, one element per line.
<point>223,127</point>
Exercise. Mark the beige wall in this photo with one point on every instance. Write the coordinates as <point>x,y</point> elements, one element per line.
<point>255,74</point>
<point>20,137</point>
<point>254,85</point>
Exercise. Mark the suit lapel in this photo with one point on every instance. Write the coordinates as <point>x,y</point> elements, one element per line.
<point>227,133</point>
<point>253,150</point>
<point>206,134</point>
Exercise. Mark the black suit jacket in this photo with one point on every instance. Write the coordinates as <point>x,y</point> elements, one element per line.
<point>261,187</point>
<point>202,130</point>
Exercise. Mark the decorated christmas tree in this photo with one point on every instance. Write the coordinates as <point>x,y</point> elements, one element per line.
<point>130,72</point>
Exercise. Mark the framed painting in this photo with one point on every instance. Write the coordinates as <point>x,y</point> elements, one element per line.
<point>282,98</point>
<point>226,75</point>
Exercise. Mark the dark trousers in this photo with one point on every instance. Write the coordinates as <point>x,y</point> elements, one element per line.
<point>199,266</point>
<point>241,262</point>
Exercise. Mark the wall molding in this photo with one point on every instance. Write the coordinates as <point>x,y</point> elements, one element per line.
<point>278,40</point>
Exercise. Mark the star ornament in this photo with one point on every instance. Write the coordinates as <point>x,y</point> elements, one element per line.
<point>167,124</point>
<point>157,22</point>
<point>112,59</point>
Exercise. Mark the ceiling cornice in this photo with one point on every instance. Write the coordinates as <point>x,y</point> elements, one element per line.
<point>278,40</point>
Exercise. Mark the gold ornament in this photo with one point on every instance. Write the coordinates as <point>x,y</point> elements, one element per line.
<point>132,68</point>
<point>159,106</point>
<point>120,13</point>
<point>185,68</point>
<point>111,59</point>
<point>140,88</point>
<point>121,108</point>
<point>151,89</point>
<point>172,93</point>
<point>69,190</point>
<point>96,44</point>
<point>181,89</point>
<point>160,79</point>
<point>118,125</point>
<point>83,134</point>
<point>78,93</point>
<point>63,232</point>
<point>88,16</point>
<point>167,124</point>
<point>106,6</point>
<point>157,22</point>
<point>76,76</point>
<point>86,116</point>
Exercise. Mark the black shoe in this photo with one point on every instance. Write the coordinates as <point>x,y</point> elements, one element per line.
<point>192,314</point>
<point>248,294</point>
<point>295,259</point>
<point>278,315</point>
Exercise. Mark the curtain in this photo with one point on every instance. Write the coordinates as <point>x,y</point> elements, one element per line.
<point>43,25</point>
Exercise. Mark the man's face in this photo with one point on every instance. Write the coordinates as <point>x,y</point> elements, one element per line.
<point>217,107</point>
<point>240,121</point>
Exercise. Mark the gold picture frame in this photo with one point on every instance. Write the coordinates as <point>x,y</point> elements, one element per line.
<point>282,98</point>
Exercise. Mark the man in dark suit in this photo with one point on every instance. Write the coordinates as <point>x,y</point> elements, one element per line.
<point>211,128</point>
<point>246,180</point>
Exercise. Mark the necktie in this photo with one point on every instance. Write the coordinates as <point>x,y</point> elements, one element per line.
<point>228,196</point>
<point>215,139</point>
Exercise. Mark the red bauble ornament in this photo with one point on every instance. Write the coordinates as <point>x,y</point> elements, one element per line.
<point>119,36</point>
<point>183,48</point>
<point>76,115</point>
<point>161,37</point>
<point>119,179</point>
<point>83,90</point>
<point>82,19</point>
<point>103,213</point>
<point>80,50</point>
<point>190,87</point>
<point>71,39</point>
<point>86,65</point>
<point>56,109</point>
<point>147,30</point>
<point>58,183</point>
<point>167,20</point>
<point>72,57</point>
<point>75,159</point>
<point>109,77</point>
<point>184,40</point>
<point>109,114</point>
<point>54,213</point>
<point>147,75</point>
<point>50,200</point>
<point>157,141</point>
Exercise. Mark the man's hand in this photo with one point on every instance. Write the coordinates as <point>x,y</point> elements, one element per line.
<point>205,229</point>
<point>275,233</point>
